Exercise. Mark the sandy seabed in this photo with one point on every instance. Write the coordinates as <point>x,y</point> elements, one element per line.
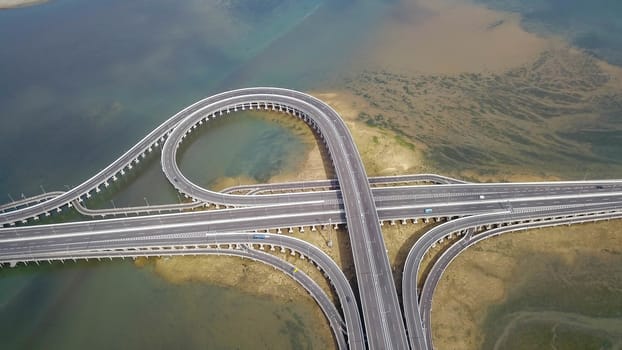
<point>447,37</point>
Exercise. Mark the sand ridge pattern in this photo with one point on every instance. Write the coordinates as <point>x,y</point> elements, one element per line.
<point>548,114</point>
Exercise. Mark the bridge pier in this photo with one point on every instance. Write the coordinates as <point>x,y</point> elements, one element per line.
<point>302,229</point>
<point>313,228</point>
<point>404,222</point>
<point>291,230</point>
<point>392,222</point>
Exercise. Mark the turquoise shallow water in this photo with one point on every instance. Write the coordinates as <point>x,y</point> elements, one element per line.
<point>116,305</point>
<point>77,91</point>
<point>81,81</point>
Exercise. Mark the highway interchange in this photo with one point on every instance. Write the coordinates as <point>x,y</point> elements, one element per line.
<point>349,200</point>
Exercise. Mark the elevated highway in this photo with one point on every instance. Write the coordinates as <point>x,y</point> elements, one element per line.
<point>434,275</point>
<point>162,243</point>
<point>350,200</point>
<point>423,194</point>
<point>416,307</point>
<point>382,315</point>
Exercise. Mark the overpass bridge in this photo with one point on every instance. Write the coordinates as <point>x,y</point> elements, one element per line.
<point>350,200</point>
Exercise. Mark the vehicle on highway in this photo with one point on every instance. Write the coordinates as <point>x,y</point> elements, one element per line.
<point>259,236</point>
<point>427,210</point>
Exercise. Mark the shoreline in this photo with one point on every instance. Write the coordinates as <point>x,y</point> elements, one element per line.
<point>380,152</point>
<point>484,277</point>
<point>387,146</point>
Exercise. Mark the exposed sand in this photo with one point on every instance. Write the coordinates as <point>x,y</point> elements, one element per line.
<point>7,4</point>
<point>484,274</point>
<point>444,39</point>
<point>522,124</point>
<point>413,81</point>
<point>381,153</point>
